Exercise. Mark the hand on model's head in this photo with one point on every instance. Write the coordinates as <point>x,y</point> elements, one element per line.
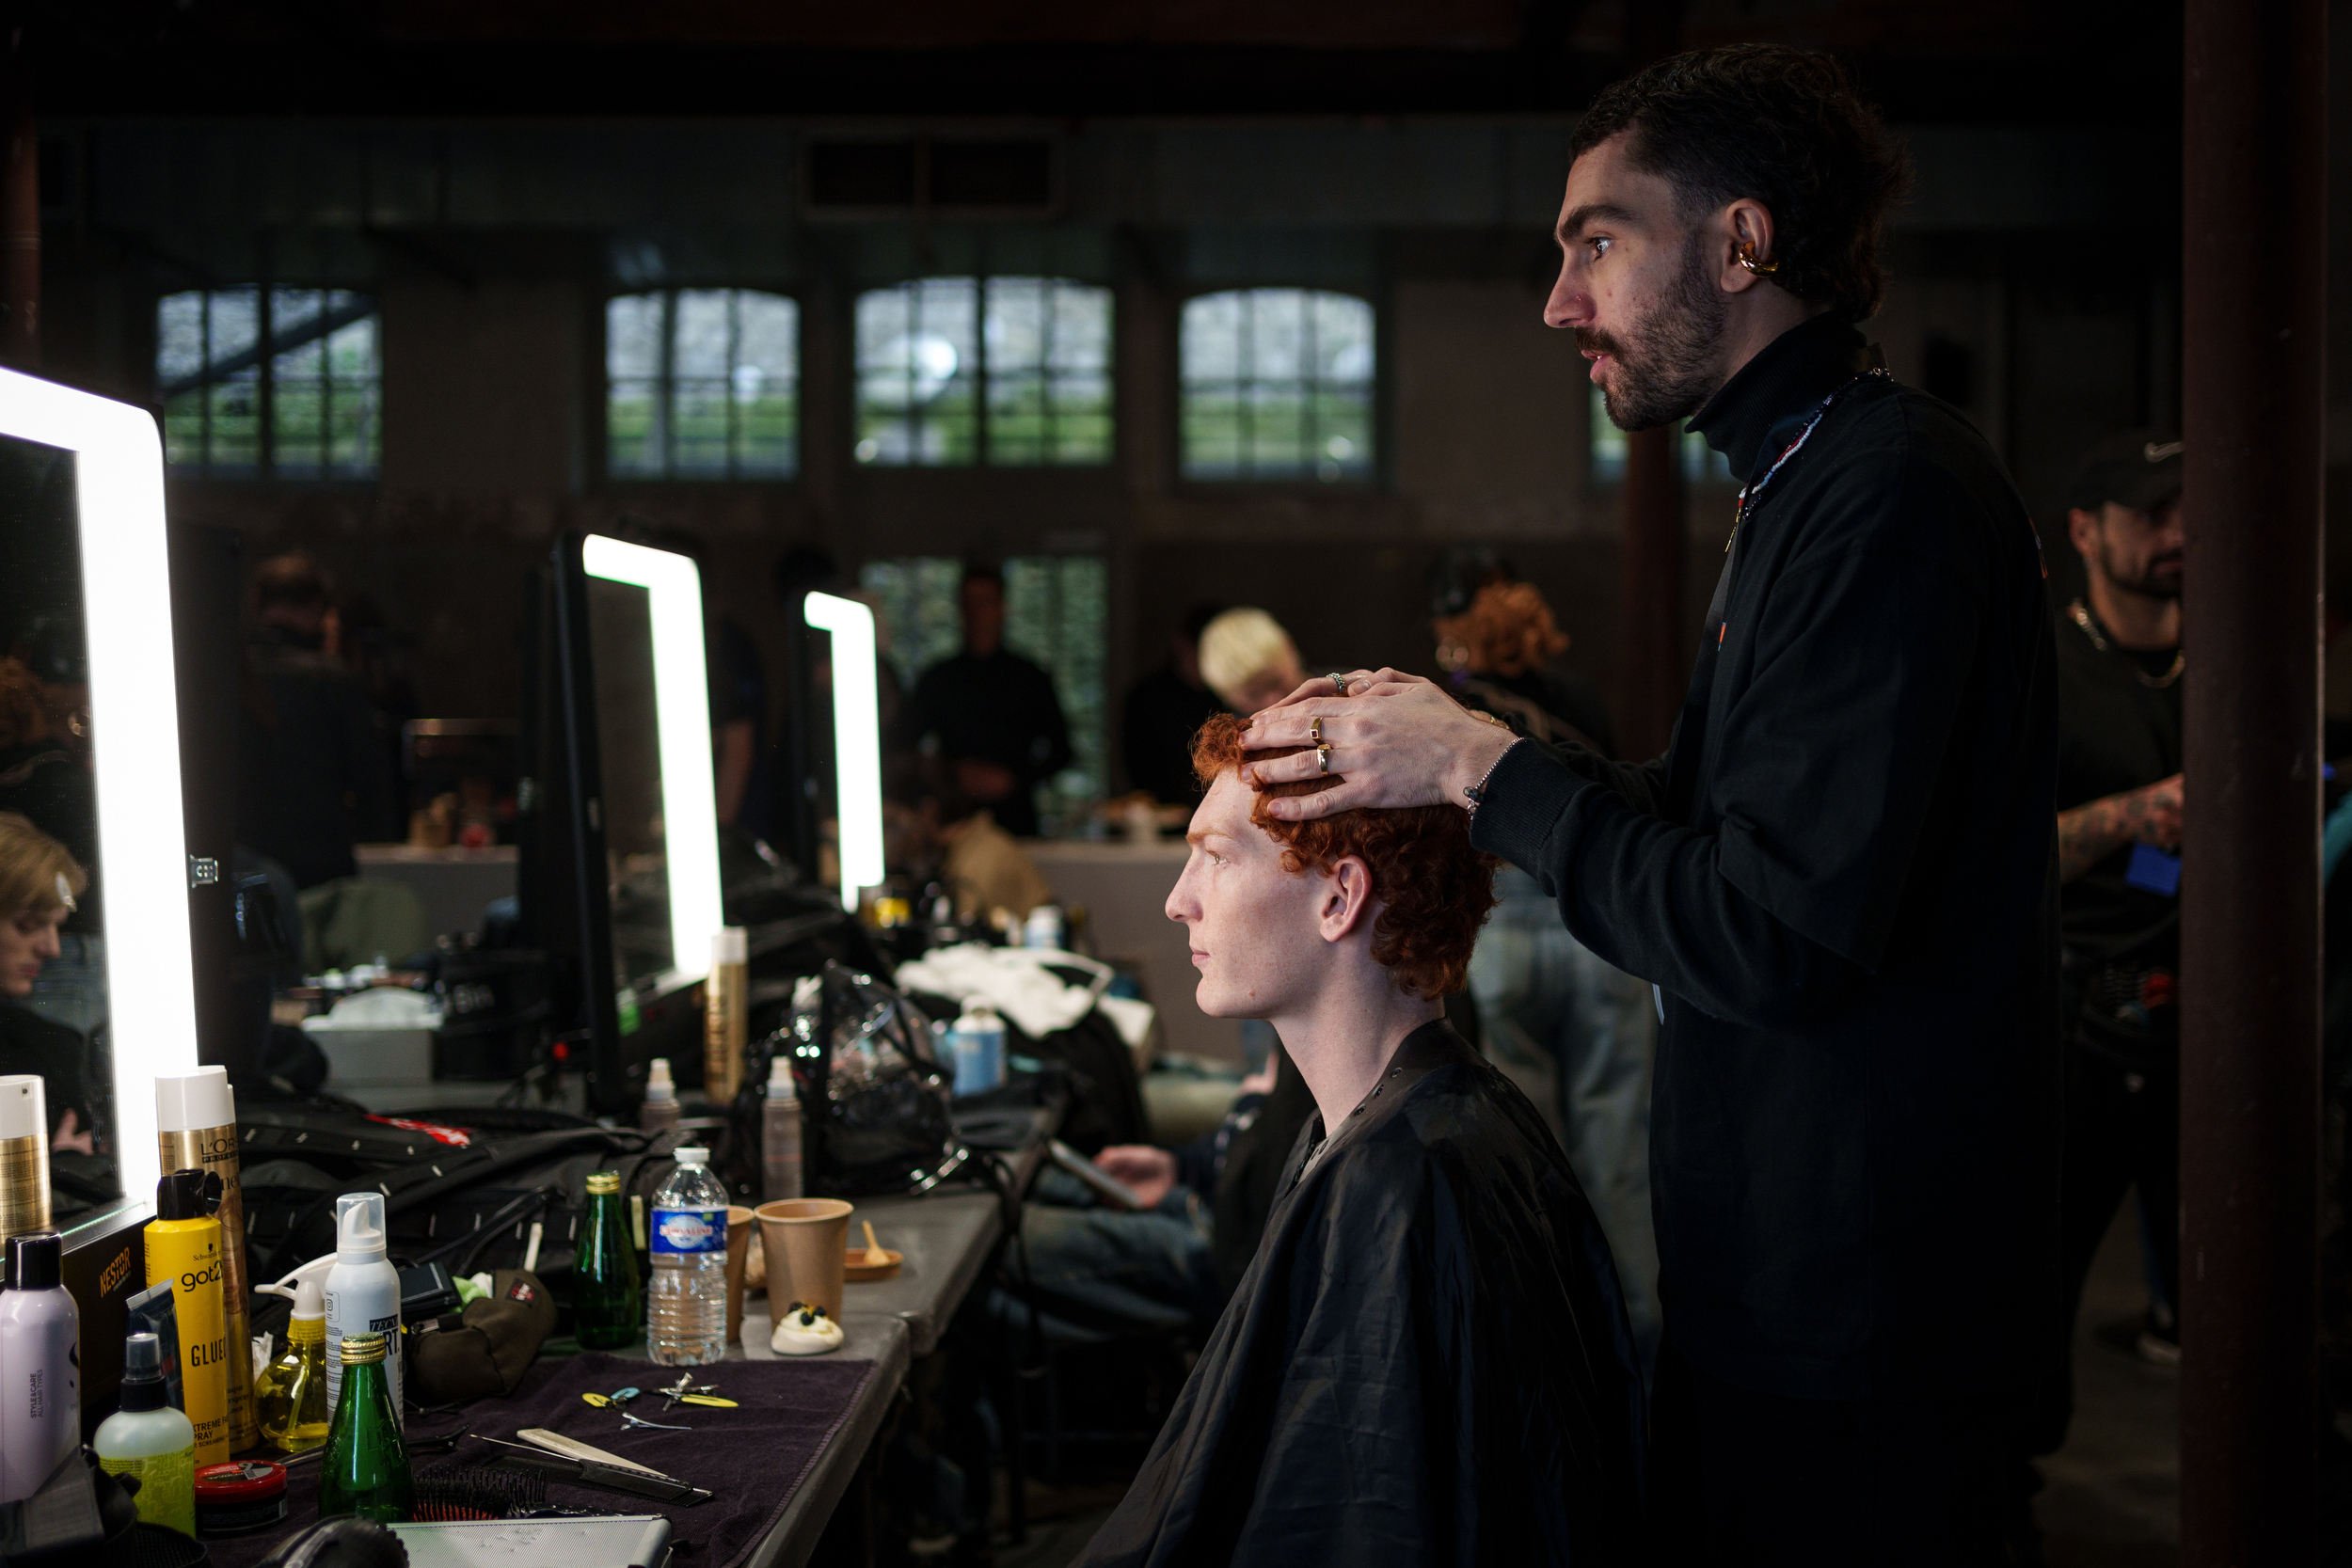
<point>1395,739</point>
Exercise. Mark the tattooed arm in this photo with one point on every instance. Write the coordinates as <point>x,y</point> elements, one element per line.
<point>2095,830</point>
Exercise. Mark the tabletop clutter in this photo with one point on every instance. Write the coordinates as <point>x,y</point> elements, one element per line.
<point>228,1445</point>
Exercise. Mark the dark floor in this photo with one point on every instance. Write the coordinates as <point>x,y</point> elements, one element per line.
<point>2113,1494</point>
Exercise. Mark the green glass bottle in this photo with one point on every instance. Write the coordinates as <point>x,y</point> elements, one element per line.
<point>607,1306</point>
<point>366,1469</point>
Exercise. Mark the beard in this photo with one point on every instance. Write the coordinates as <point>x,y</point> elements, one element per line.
<point>2157,577</point>
<point>1666,364</point>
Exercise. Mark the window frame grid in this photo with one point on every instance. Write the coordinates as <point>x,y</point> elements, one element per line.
<point>265,372</point>
<point>1045,375</point>
<point>1312,392</point>
<point>661,434</point>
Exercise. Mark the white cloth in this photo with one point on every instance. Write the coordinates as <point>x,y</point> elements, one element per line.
<point>1017,982</point>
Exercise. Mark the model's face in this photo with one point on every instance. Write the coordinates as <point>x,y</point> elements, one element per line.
<point>983,617</point>
<point>1270,684</point>
<point>2136,551</point>
<point>28,939</point>
<point>1637,288</point>
<point>1256,928</point>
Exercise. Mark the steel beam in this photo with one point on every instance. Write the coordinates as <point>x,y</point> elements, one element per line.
<point>2253,301</point>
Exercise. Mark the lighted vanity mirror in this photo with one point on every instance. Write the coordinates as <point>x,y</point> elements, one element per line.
<point>96,992</point>
<point>653,748</point>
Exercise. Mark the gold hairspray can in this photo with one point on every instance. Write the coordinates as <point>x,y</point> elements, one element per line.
<point>24,1154</point>
<point>196,1123</point>
<point>726,1014</point>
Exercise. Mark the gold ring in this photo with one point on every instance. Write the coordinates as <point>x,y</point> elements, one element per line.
<point>1314,731</point>
<point>1323,759</point>
<point>1338,681</point>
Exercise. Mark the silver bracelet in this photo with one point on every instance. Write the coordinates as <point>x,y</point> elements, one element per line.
<point>1477,792</point>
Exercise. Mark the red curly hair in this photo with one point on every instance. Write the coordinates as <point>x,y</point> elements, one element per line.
<point>1434,889</point>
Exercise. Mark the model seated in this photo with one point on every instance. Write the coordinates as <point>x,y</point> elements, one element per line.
<point>1427,1361</point>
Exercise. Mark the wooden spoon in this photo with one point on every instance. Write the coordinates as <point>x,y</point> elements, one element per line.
<point>875,1256</point>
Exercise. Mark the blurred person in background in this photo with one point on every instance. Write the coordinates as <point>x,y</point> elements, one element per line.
<point>1575,1033</point>
<point>1499,647</point>
<point>1165,711</point>
<point>990,715</point>
<point>311,768</point>
<point>1248,661</point>
<point>937,833</point>
<point>2119,663</point>
<point>39,883</point>
<point>45,778</point>
<point>358,633</point>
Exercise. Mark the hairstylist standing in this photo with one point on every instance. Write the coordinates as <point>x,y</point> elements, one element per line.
<point>1841,876</point>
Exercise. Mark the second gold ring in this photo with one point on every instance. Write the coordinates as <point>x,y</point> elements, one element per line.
<point>1323,759</point>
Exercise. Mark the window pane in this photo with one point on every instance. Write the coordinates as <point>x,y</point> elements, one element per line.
<point>321,377</point>
<point>699,339</point>
<point>1277,384</point>
<point>234,400</point>
<point>1054,613</point>
<point>916,357</point>
<point>1048,342</point>
<point>765,379</point>
<point>632,336</point>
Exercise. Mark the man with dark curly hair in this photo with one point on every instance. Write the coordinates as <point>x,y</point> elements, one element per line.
<point>1841,877</point>
<point>1428,1359</point>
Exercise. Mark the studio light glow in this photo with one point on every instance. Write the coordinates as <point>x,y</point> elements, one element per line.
<point>689,799</point>
<point>134,719</point>
<point>856,740</point>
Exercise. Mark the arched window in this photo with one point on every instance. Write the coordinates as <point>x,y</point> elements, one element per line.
<point>702,384</point>
<point>1276,385</point>
<point>1007,371</point>
<point>269,383</point>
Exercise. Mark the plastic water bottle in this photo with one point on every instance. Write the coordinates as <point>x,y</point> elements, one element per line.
<point>686,1310</point>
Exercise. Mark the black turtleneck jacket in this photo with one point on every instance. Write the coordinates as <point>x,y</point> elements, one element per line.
<point>1843,878</point>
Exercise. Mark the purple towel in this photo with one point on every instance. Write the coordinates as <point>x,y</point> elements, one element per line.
<point>752,1459</point>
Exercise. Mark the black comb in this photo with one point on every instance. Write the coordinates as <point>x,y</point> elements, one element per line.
<point>471,1492</point>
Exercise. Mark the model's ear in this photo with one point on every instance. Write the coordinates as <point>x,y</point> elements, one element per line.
<point>1347,901</point>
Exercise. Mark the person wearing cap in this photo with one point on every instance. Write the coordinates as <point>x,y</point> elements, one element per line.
<point>2119,797</point>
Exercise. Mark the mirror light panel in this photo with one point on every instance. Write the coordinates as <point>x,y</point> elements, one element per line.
<point>856,740</point>
<point>690,798</point>
<point>126,578</point>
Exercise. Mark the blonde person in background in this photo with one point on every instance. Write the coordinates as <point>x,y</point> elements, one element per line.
<point>1245,656</point>
<point>40,881</point>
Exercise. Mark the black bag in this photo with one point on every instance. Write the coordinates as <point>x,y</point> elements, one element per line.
<point>874,1098</point>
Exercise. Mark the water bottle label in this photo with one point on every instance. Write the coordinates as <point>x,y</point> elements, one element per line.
<point>689,1230</point>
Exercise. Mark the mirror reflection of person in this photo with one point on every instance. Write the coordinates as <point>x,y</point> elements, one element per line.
<point>1428,1360</point>
<point>45,778</point>
<point>39,883</point>
<point>991,714</point>
<point>1162,711</point>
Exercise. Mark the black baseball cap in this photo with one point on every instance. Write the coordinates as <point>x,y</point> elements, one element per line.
<point>2138,469</point>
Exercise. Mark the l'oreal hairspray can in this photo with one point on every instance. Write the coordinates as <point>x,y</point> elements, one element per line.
<point>183,1248</point>
<point>196,1129</point>
<point>40,1392</point>
<point>24,1154</point>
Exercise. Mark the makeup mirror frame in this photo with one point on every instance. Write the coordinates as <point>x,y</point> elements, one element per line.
<point>689,806</point>
<point>857,740</point>
<point>126,605</point>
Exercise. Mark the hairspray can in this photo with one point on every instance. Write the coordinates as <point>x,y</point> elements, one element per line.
<point>196,1129</point>
<point>40,1394</point>
<point>24,1154</point>
<point>726,1014</point>
<point>183,1248</point>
